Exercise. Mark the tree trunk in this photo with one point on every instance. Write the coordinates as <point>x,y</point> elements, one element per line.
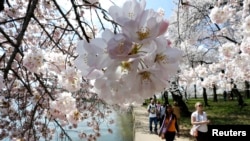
<point>236,92</point>
<point>215,93</point>
<point>225,95</point>
<point>247,91</point>
<point>195,96</point>
<point>165,97</point>
<point>205,97</point>
<point>177,96</point>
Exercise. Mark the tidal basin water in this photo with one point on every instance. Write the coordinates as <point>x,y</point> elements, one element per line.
<point>122,130</point>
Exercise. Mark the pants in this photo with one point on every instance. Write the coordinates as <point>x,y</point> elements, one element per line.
<point>202,136</point>
<point>151,120</point>
<point>169,136</point>
<point>161,120</point>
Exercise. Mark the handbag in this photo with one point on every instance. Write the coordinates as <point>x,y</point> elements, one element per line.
<point>194,131</point>
<point>164,127</point>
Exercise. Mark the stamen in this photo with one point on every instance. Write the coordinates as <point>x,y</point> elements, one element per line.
<point>161,58</point>
<point>143,33</point>
<point>135,48</point>
<point>145,76</point>
<point>125,66</point>
<point>131,15</point>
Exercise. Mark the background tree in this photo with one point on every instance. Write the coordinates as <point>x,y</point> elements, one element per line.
<point>41,91</point>
<point>67,62</point>
<point>213,33</point>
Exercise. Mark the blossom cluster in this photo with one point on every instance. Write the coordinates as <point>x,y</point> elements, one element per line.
<point>134,63</point>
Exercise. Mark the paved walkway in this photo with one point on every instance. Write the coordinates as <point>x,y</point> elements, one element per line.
<point>142,130</point>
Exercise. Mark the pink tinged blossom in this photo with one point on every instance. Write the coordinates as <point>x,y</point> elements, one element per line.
<point>119,47</point>
<point>228,50</point>
<point>116,83</point>
<point>97,54</point>
<point>161,12</point>
<point>70,79</point>
<point>242,61</point>
<point>101,86</point>
<point>111,91</point>
<point>145,28</point>
<point>245,46</point>
<point>165,59</point>
<point>163,27</point>
<point>147,82</point>
<point>107,35</point>
<point>55,61</point>
<point>12,12</point>
<point>33,60</point>
<point>220,15</point>
<point>246,24</point>
<point>92,57</point>
<point>201,71</point>
<point>82,135</point>
<point>64,103</point>
<point>130,10</point>
<point>74,117</point>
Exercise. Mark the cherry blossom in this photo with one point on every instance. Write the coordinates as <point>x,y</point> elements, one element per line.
<point>220,15</point>
<point>33,60</point>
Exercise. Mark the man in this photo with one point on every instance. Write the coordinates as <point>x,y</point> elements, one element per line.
<point>152,109</point>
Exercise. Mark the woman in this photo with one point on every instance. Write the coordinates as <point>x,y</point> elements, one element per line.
<point>200,121</point>
<point>162,114</point>
<point>169,126</point>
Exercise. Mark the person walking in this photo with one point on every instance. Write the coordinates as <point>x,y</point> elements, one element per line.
<point>152,109</point>
<point>199,121</point>
<point>162,114</point>
<point>170,127</point>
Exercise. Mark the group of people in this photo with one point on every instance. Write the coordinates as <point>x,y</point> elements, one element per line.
<point>162,115</point>
<point>168,117</point>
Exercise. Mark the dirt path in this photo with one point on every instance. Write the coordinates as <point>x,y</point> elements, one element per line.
<point>142,130</point>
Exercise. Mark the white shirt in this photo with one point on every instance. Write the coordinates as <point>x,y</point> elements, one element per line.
<point>199,118</point>
<point>151,108</point>
<point>162,110</point>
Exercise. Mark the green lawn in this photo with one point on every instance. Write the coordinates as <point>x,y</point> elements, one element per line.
<point>221,112</point>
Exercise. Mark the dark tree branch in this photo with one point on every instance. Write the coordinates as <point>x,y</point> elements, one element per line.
<point>30,11</point>
<point>1,5</point>
<point>79,21</point>
<point>66,19</point>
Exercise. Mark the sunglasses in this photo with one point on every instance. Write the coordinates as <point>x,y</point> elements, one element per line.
<point>200,105</point>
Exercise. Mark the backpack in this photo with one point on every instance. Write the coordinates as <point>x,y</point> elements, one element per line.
<point>153,110</point>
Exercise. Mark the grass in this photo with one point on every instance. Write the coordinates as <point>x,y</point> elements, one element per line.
<point>221,112</point>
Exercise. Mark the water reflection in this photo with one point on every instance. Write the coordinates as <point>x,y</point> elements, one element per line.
<point>122,129</point>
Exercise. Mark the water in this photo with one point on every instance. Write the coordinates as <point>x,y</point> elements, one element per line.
<point>122,130</point>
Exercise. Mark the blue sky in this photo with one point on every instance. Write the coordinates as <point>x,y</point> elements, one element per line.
<point>167,5</point>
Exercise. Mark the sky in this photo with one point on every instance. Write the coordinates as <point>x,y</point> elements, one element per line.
<point>167,5</point>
